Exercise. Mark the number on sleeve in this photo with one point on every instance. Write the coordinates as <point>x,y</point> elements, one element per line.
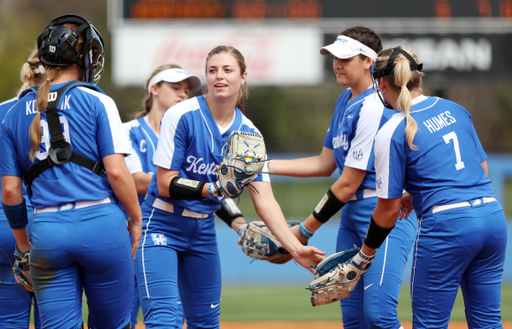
<point>460,164</point>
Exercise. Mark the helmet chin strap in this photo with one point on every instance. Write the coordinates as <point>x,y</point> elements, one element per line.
<point>377,89</point>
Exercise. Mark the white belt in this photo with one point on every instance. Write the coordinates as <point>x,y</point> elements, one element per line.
<point>73,205</point>
<point>169,207</point>
<point>476,202</point>
<point>367,193</point>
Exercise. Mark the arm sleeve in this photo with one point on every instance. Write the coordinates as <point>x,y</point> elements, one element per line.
<point>112,137</point>
<point>172,143</point>
<point>390,162</point>
<point>360,156</point>
<point>9,165</point>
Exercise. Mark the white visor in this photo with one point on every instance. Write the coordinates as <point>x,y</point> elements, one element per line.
<point>345,47</point>
<point>174,76</point>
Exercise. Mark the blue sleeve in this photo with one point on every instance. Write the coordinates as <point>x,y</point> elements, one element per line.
<point>9,165</point>
<point>479,149</point>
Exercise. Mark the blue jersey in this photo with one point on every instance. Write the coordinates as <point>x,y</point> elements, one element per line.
<point>445,169</point>
<point>4,108</point>
<point>191,143</point>
<point>90,123</point>
<point>144,141</point>
<point>353,128</point>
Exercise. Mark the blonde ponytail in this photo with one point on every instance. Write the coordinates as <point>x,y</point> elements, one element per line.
<point>399,67</point>
<point>41,103</point>
<point>32,72</point>
<point>402,73</point>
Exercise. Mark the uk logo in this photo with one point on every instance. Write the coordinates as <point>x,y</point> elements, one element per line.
<point>379,182</point>
<point>159,239</point>
<point>358,153</point>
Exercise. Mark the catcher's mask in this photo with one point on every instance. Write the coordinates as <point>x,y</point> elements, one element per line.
<point>56,46</point>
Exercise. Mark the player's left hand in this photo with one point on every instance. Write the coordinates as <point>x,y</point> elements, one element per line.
<point>135,229</point>
<point>308,257</point>
<point>21,269</point>
<point>407,207</point>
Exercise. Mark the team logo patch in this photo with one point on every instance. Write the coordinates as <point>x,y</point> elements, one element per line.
<point>159,239</point>
<point>379,181</point>
<point>187,182</point>
<point>357,153</point>
<point>224,169</point>
<point>320,205</point>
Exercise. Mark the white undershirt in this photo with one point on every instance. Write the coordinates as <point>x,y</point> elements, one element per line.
<point>223,130</point>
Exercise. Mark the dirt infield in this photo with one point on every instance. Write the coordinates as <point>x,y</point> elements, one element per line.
<point>317,325</point>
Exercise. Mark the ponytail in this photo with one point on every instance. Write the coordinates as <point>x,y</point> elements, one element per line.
<point>399,67</point>
<point>41,103</point>
<point>402,75</point>
<point>32,72</point>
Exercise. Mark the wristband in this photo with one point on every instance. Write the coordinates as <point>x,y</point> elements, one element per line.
<point>183,188</point>
<point>16,215</point>
<point>228,211</point>
<point>212,190</point>
<point>375,235</point>
<point>362,260</point>
<point>241,230</point>
<point>304,231</point>
<point>327,207</point>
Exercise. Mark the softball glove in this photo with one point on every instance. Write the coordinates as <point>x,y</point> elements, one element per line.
<point>243,161</point>
<point>336,278</point>
<point>258,242</point>
<point>21,269</point>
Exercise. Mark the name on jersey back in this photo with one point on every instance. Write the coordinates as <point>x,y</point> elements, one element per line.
<point>439,122</point>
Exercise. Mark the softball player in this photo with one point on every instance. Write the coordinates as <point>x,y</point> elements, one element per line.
<point>430,148</point>
<point>178,219</point>
<point>168,85</point>
<point>59,148</point>
<point>15,302</point>
<point>348,146</point>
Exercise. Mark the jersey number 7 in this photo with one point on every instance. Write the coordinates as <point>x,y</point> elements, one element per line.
<point>453,136</point>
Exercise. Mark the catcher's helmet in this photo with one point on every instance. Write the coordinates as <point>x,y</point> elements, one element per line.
<point>56,46</point>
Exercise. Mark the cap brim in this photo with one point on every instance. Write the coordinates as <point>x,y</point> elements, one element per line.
<point>194,81</point>
<point>338,50</point>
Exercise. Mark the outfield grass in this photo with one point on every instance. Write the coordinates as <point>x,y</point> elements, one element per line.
<point>242,303</point>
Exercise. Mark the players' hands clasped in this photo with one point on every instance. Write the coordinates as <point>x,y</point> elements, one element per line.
<point>307,256</point>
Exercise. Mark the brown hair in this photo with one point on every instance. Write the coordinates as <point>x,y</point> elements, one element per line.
<point>244,91</point>
<point>147,102</point>
<point>402,81</point>
<point>366,36</point>
<point>28,77</point>
<point>52,73</point>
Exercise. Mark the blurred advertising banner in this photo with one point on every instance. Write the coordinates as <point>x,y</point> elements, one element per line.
<point>274,56</point>
<point>455,56</point>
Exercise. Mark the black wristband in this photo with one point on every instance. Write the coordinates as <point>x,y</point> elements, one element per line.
<point>375,235</point>
<point>228,211</point>
<point>183,188</point>
<point>327,207</point>
<point>16,215</point>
